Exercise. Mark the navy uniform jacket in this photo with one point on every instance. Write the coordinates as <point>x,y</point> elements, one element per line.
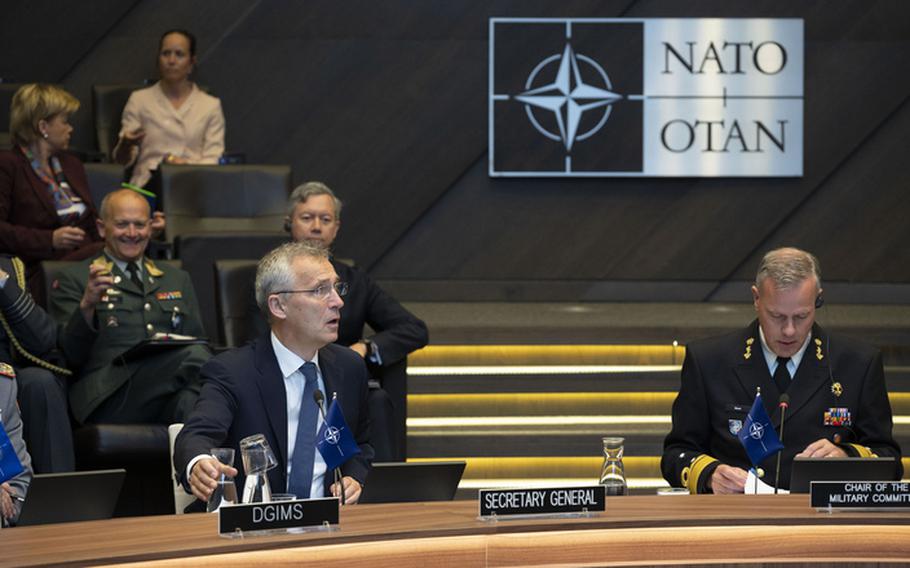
<point>244,394</point>
<point>122,320</point>
<point>719,380</point>
<point>35,331</point>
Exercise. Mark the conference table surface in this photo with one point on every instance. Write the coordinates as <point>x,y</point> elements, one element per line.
<point>634,530</point>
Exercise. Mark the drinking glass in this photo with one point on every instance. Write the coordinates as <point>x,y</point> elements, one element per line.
<point>226,491</point>
<point>258,459</point>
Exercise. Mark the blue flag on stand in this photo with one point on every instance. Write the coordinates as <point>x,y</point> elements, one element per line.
<point>10,466</point>
<point>334,439</point>
<point>757,435</point>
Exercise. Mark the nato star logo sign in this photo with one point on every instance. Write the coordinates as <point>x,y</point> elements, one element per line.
<point>568,97</point>
<point>564,106</point>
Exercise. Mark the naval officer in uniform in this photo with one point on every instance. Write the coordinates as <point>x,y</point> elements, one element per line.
<point>838,402</point>
<point>115,302</point>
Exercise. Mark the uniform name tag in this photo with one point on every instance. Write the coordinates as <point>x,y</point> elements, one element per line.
<point>277,516</point>
<point>542,501</point>
<point>860,495</point>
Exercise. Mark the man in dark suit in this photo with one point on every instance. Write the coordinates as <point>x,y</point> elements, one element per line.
<point>314,216</point>
<point>108,305</point>
<point>838,403</point>
<point>267,387</point>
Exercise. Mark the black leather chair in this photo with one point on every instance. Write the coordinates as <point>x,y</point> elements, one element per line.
<point>103,179</point>
<point>234,290</point>
<point>200,251</point>
<point>198,199</point>
<point>7,90</point>
<point>142,449</point>
<point>107,109</point>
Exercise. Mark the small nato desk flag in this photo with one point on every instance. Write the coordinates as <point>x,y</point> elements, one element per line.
<point>334,439</point>
<point>757,435</point>
<point>10,466</point>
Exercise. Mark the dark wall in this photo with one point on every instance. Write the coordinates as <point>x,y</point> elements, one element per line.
<point>386,102</point>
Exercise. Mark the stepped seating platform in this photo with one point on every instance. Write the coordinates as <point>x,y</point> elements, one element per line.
<point>525,392</point>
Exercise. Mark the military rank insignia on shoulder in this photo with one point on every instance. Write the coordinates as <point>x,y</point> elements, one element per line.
<point>104,264</point>
<point>6,370</point>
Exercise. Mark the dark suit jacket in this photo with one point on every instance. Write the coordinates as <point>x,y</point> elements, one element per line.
<point>27,214</point>
<point>244,394</point>
<point>719,380</point>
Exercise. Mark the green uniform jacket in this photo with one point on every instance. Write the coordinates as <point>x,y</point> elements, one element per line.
<point>123,318</point>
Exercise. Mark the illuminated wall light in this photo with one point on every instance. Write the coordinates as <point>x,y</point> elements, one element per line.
<point>427,371</point>
<point>465,421</point>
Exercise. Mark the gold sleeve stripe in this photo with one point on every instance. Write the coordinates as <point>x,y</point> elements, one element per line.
<point>691,474</point>
<point>862,451</point>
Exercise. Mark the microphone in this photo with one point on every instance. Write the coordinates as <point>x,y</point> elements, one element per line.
<point>783,403</point>
<point>319,399</point>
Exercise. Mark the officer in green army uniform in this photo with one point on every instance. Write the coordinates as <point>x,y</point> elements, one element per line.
<point>115,302</point>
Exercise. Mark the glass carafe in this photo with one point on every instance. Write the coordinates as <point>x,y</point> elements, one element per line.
<point>613,474</point>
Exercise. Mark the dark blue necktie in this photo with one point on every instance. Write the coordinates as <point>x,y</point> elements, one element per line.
<point>305,446</point>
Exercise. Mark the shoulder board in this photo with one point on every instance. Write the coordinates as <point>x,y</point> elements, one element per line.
<point>6,370</point>
<point>152,269</point>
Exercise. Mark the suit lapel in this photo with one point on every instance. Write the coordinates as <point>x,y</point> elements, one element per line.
<point>274,395</point>
<point>39,187</point>
<point>811,375</point>
<point>331,374</point>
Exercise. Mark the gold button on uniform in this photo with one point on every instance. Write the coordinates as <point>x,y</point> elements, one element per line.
<point>149,327</point>
<point>147,307</point>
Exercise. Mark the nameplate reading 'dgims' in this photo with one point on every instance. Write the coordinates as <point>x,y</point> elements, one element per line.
<point>860,495</point>
<point>542,501</point>
<point>277,515</point>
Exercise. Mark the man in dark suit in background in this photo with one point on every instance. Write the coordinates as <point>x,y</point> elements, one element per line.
<point>267,387</point>
<point>838,402</point>
<point>314,216</point>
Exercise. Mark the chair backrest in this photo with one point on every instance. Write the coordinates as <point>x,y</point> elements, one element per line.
<point>235,283</point>
<point>103,179</point>
<point>182,499</point>
<point>107,109</point>
<point>7,90</point>
<point>200,251</point>
<point>199,199</point>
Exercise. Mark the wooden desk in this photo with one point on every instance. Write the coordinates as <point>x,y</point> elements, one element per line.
<point>638,530</point>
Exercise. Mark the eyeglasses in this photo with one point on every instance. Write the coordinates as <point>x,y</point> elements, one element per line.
<point>320,292</point>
